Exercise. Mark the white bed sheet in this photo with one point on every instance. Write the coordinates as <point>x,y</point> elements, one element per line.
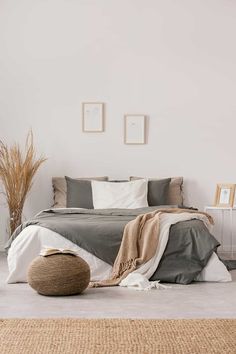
<point>32,239</point>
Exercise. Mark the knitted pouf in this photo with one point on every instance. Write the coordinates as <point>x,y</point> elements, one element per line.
<point>59,275</point>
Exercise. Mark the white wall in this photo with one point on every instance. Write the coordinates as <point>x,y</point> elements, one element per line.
<point>172,60</point>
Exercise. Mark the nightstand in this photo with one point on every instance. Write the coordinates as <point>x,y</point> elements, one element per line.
<point>230,226</point>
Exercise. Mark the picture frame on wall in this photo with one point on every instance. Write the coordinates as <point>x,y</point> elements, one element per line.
<point>93,117</point>
<point>224,196</point>
<point>134,129</point>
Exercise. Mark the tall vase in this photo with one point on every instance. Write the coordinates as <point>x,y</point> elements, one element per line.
<point>15,219</point>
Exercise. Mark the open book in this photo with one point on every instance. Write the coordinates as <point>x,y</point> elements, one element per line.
<point>47,251</point>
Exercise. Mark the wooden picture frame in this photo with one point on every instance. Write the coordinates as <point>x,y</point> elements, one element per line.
<point>134,129</point>
<point>224,196</point>
<point>93,117</point>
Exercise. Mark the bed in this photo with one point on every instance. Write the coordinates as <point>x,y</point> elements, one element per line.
<point>186,250</point>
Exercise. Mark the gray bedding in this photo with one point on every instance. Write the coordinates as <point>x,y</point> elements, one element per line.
<point>100,232</point>
<point>188,250</point>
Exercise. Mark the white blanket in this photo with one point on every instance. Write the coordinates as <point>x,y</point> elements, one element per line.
<point>33,238</point>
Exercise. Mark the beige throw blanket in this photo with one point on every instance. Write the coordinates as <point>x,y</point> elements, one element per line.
<point>139,244</point>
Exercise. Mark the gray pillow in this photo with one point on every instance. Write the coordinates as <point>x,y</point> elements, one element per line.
<point>79,193</point>
<point>175,194</point>
<point>119,180</point>
<point>60,189</point>
<point>158,192</point>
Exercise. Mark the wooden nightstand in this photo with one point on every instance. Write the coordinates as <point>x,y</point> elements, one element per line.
<point>230,225</point>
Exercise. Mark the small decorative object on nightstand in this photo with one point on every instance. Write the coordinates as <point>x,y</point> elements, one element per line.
<point>225,195</point>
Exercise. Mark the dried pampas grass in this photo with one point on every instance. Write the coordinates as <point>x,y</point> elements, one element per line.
<point>17,169</point>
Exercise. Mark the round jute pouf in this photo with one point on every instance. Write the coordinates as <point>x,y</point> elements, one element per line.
<point>59,275</point>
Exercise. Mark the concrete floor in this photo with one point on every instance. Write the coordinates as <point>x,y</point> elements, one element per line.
<point>199,300</point>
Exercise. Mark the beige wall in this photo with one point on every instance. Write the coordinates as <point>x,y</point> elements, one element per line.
<point>172,60</point>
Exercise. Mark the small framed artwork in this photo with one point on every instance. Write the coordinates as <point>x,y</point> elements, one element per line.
<point>135,129</point>
<point>93,117</point>
<point>225,195</point>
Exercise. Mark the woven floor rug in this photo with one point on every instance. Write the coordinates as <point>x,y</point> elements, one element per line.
<point>72,336</point>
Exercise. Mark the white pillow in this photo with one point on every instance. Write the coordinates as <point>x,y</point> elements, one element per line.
<point>127,195</point>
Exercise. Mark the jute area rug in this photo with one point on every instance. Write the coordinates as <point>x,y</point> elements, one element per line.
<point>107,336</point>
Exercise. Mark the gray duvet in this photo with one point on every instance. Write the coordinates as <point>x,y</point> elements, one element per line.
<point>100,232</point>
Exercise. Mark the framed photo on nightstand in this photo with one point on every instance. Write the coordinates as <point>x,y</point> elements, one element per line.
<point>224,196</point>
